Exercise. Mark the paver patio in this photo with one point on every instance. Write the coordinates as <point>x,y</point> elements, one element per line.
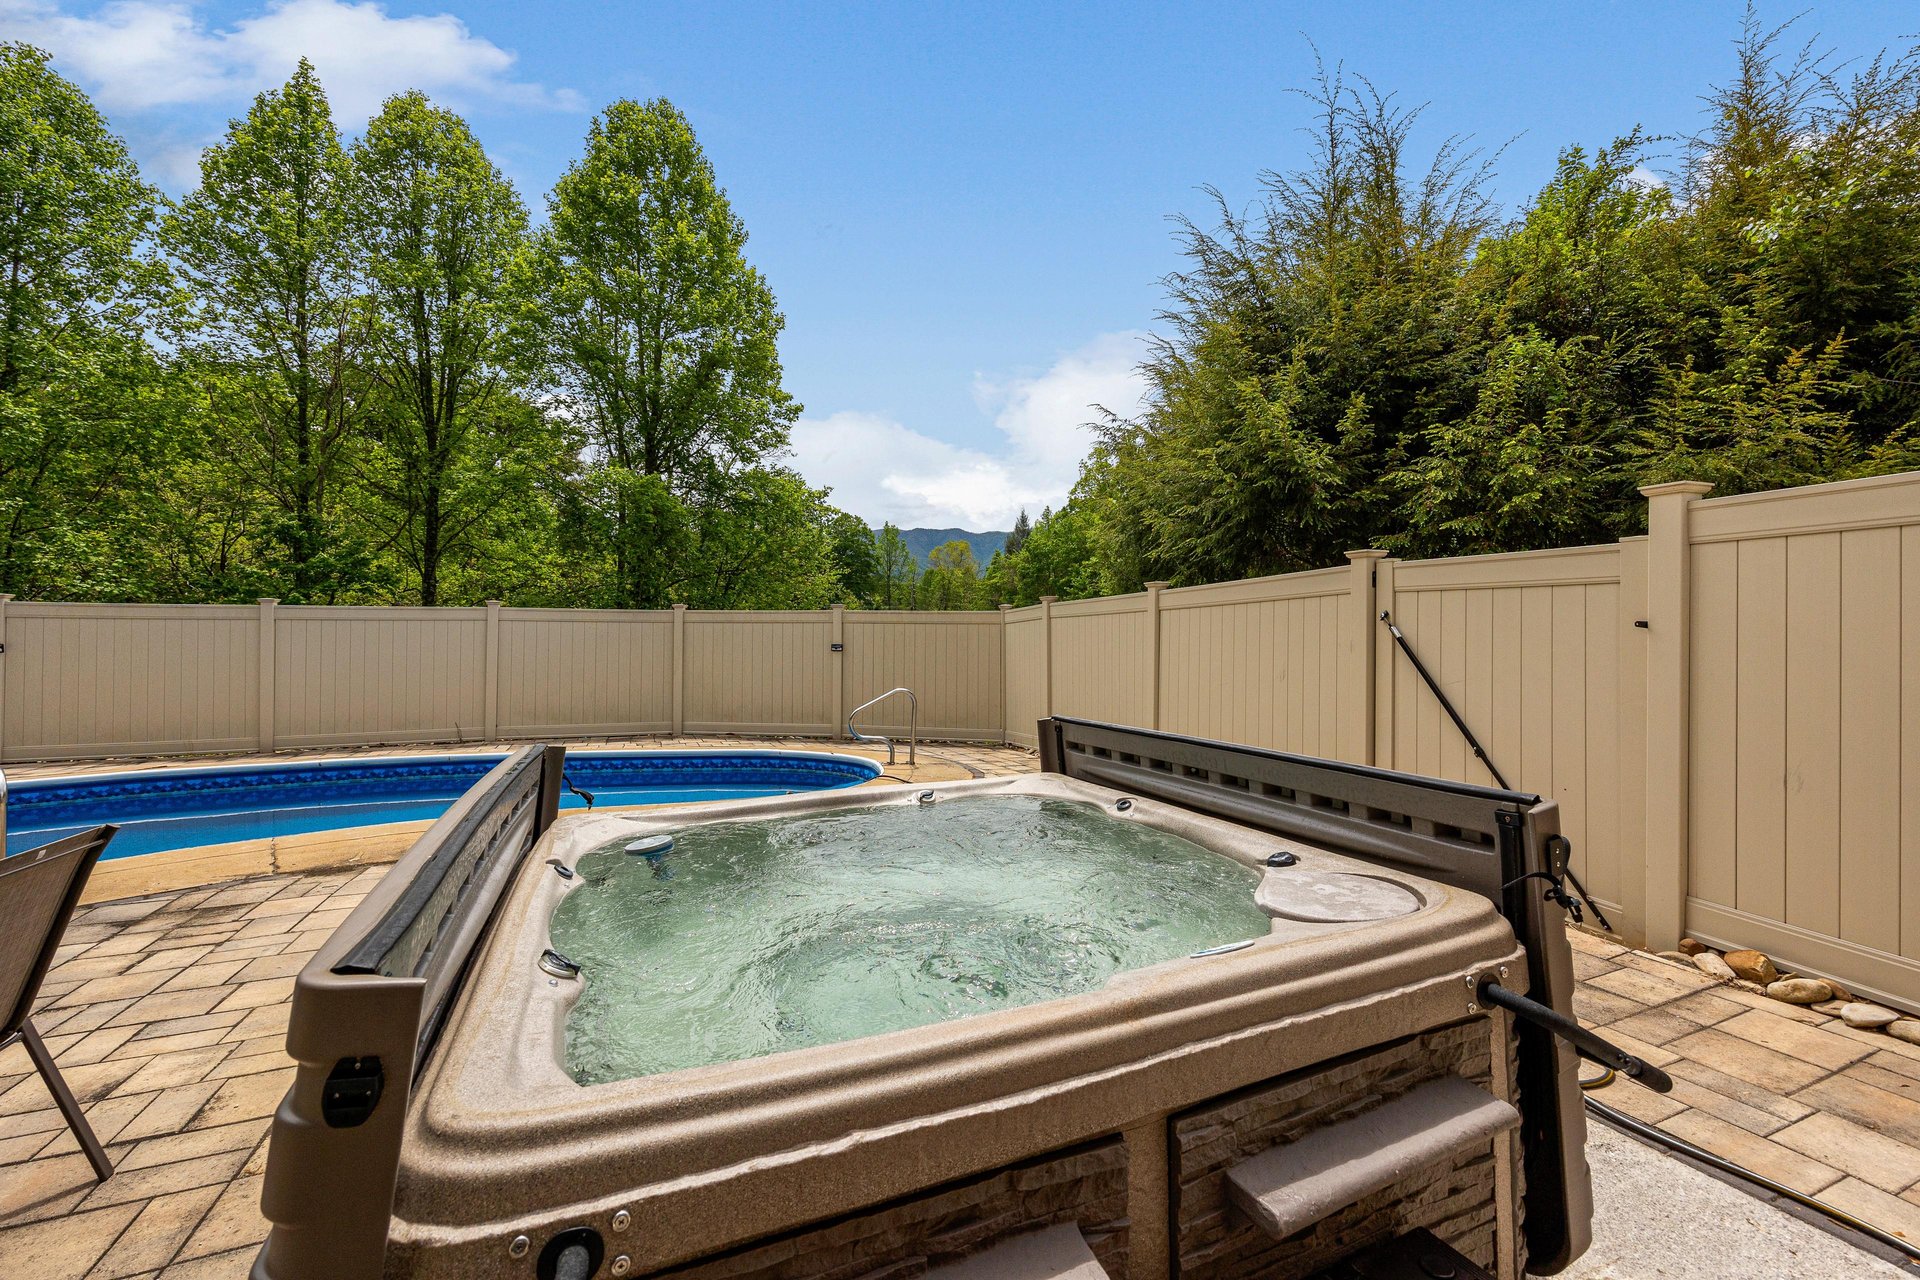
<point>167,1014</point>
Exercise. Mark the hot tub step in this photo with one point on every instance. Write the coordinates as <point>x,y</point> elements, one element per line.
<point>1288,1188</point>
<point>1057,1253</point>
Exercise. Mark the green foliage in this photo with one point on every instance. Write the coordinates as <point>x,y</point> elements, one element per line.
<point>899,572</point>
<point>1370,358</point>
<point>359,375</point>
<point>270,321</point>
<point>952,579</point>
<point>356,375</point>
<point>448,442</point>
<point>78,415</point>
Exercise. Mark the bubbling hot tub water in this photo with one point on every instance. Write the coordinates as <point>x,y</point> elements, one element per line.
<point>751,938</point>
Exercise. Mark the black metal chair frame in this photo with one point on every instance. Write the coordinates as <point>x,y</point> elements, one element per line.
<point>85,848</point>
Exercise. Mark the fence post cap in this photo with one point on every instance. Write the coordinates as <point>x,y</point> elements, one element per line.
<point>1048,599</point>
<point>1695,488</point>
<point>680,607</point>
<point>1005,607</point>
<point>1158,586</point>
<point>1367,553</point>
<point>269,599</point>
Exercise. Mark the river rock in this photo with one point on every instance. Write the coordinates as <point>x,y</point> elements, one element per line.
<point>1800,990</point>
<point>1754,966</point>
<point>1867,1016</point>
<point>1754,987</point>
<point>1690,947</point>
<point>1840,992</point>
<point>1905,1029</point>
<point>1713,966</point>
<point>1679,957</point>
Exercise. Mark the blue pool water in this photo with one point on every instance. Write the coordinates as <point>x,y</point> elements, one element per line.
<point>161,809</point>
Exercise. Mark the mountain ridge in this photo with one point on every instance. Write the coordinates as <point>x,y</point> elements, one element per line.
<point>922,541</point>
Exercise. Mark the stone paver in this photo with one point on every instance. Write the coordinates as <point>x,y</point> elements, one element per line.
<point>1789,1092</point>
<point>167,1014</point>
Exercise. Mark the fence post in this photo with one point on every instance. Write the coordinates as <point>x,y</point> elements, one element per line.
<point>265,731</point>
<point>4,597</point>
<point>1006,675</point>
<point>1357,684</point>
<point>1669,656</point>
<point>1153,644</point>
<point>493,670</point>
<point>837,654</point>
<point>1380,641</point>
<point>679,670</point>
<point>1046,641</point>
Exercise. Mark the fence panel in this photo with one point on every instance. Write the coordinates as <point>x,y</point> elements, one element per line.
<point>767,673</point>
<point>577,672</point>
<point>346,676</point>
<point>106,680</point>
<point>1538,653</point>
<point>1025,645</point>
<point>1804,736</point>
<point>951,661</point>
<point>1103,661</point>
<point>1263,662</point>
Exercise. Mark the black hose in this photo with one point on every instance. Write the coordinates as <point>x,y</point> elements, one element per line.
<point>1660,1137</point>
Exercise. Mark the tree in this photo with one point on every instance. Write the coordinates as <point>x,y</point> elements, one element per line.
<point>659,338</point>
<point>856,558</point>
<point>77,420</point>
<point>952,579</point>
<point>266,247</point>
<point>899,572</point>
<point>1371,357</point>
<point>440,228</point>
<point>1017,536</point>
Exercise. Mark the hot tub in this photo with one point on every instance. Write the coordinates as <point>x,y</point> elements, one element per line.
<point>1268,1103</point>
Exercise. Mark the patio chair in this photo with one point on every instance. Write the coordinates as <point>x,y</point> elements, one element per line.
<point>38,890</point>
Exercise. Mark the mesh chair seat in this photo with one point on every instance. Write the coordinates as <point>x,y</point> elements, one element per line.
<point>38,891</point>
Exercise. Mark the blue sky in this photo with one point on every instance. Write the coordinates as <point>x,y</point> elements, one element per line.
<point>962,208</point>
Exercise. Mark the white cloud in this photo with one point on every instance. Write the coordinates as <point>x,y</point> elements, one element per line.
<point>146,56</point>
<point>884,470</point>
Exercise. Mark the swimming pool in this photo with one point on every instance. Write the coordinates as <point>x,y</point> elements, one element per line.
<point>162,809</point>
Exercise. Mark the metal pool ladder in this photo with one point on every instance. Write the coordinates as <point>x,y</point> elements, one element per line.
<point>913,725</point>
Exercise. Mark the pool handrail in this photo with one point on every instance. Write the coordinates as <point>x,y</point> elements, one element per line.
<point>367,1010</point>
<point>913,724</point>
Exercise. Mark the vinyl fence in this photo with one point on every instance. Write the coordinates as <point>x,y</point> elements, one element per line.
<point>1727,710</point>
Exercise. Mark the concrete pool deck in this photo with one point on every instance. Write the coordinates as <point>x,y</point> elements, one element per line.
<point>167,1013</point>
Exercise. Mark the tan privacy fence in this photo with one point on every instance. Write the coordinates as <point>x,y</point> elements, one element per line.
<point>1727,710</point>
<point>87,680</point>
